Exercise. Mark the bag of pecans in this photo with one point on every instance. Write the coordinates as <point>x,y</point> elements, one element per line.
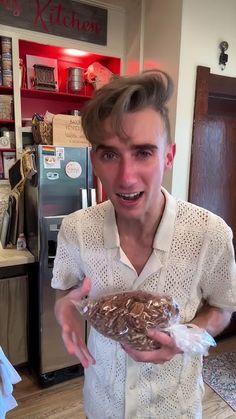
<point>126,316</point>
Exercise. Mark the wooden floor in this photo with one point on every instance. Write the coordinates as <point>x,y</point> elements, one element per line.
<point>65,401</point>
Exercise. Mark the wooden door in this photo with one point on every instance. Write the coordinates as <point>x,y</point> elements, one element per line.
<point>213,160</point>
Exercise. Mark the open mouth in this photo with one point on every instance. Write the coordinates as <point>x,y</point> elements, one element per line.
<point>130,196</point>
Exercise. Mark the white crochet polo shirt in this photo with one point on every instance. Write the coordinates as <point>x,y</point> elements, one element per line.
<point>192,259</point>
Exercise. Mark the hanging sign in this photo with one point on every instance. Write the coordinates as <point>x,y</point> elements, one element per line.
<point>70,19</point>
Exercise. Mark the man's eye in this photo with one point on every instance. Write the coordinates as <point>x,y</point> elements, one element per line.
<point>109,155</point>
<point>144,154</point>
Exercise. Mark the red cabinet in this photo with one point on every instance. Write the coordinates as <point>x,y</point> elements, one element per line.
<point>60,100</point>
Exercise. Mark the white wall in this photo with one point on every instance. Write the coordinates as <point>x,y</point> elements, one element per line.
<point>205,23</point>
<point>161,49</point>
<point>133,38</point>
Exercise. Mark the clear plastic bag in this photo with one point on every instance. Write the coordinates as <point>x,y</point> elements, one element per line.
<point>191,339</point>
<point>127,316</point>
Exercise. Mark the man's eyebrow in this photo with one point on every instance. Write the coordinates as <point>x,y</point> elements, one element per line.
<point>104,147</point>
<point>144,146</point>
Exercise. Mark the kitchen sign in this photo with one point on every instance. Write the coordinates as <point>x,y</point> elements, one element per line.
<point>70,19</point>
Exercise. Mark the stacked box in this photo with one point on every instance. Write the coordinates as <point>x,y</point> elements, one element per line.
<point>6,61</point>
<point>6,107</point>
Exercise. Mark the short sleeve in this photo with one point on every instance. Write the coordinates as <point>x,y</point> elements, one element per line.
<point>67,270</point>
<point>219,282</point>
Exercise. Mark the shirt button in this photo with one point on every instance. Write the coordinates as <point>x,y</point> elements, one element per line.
<point>132,387</point>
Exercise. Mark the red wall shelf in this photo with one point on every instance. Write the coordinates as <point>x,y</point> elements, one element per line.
<point>6,90</point>
<point>7,149</point>
<point>51,95</point>
<point>7,121</point>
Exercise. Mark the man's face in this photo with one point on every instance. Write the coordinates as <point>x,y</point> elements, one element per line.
<point>131,170</point>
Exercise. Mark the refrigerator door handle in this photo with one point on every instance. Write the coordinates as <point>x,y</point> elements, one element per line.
<point>93,196</point>
<point>51,261</point>
<point>99,191</point>
<point>84,198</point>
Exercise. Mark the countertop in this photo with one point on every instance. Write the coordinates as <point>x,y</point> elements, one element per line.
<point>13,257</point>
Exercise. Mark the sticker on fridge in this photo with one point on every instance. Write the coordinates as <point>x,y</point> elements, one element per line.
<point>73,169</point>
<point>51,162</point>
<point>49,150</point>
<point>52,176</point>
<point>60,153</point>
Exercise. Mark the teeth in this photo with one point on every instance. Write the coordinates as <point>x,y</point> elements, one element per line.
<point>129,195</point>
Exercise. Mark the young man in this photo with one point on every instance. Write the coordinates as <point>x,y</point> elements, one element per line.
<point>141,238</point>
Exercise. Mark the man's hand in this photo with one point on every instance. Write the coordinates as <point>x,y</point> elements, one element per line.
<point>70,321</point>
<point>166,352</point>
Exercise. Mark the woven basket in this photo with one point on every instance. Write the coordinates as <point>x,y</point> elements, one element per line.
<point>42,133</point>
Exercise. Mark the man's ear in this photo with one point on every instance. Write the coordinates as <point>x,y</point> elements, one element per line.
<point>170,155</point>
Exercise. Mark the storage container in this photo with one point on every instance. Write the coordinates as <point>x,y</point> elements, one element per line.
<point>6,45</point>
<point>74,79</point>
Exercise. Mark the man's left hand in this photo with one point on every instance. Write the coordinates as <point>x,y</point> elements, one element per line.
<point>166,352</point>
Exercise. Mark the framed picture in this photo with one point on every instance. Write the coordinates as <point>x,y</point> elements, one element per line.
<point>34,59</point>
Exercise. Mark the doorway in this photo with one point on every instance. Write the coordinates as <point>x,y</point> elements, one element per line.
<point>213,158</point>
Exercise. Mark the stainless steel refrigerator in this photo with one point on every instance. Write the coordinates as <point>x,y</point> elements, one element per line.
<point>61,182</point>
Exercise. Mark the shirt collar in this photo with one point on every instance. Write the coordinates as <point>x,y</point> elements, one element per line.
<point>111,235</point>
<point>164,233</point>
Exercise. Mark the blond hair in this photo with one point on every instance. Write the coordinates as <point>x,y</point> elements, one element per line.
<point>151,88</point>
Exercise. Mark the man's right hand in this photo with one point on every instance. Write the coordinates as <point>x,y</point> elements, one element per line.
<point>70,321</point>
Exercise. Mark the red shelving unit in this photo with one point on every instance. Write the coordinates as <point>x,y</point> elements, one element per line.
<point>6,90</point>
<point>59,101</point>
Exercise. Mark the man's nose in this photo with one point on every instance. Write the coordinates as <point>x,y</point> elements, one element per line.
<point>127,172</point>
